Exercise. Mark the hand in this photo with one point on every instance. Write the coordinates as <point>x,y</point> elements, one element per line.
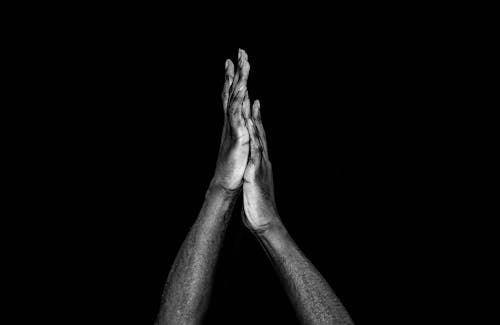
<point>259,206</point>
<point>234,148</point>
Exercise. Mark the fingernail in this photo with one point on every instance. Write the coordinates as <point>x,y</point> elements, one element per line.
<point>227,63</point>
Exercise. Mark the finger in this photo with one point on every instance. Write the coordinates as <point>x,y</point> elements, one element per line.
<point>236,109</point>
<point>235,117</point>
<point>260,128</point>
<point>227,83</point>
<point>256,109</point>
<point>255,144</point>
<point>243,69</point>
<point>246,106</point>
<point>241,85</point>
<point>236,77</point>
<point>236,103</point>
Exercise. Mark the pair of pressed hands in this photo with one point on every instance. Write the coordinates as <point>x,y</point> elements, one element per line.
<point>243,162</point>
<point>243,157</point>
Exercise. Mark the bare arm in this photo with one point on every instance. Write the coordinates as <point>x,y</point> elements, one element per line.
<point>187,290</point>
<point>312,297</point>
<point>189,282</point>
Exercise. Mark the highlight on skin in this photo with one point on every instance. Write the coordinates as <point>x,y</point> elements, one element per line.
<point>243,165</point>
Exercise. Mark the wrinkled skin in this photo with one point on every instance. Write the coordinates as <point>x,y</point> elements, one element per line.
<point>243,162</point>
<point>258,190</point>
<point>234,148</point>
<point>243,156</point>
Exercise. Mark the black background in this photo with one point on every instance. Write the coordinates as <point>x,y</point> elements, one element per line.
<point>130,139</point>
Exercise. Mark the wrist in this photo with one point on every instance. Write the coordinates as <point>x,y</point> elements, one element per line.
<point>271,229</point>
<point>216,188</point>
<point>274,235</point>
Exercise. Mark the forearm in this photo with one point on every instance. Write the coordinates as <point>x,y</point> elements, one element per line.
<point>189,282</point>
<point>312,297</point>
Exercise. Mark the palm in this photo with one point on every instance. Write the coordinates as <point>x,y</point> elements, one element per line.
<point>233,157</point>
<point>258,190</point>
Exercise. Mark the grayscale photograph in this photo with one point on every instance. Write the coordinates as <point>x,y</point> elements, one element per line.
<point>288,167</point>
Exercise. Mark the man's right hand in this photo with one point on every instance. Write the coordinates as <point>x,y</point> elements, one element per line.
<point>258,189</point>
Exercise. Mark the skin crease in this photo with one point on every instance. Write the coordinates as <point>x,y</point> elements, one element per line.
<point>243,163</point>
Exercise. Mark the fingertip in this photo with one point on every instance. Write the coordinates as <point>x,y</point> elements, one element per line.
<point>243,60</point>
<point>229,68</point>
<point>244,55</point>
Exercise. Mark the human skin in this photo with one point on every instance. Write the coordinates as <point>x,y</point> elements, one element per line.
<point>243,162</point>
<point>312,298</point>
<point>187,290</point>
